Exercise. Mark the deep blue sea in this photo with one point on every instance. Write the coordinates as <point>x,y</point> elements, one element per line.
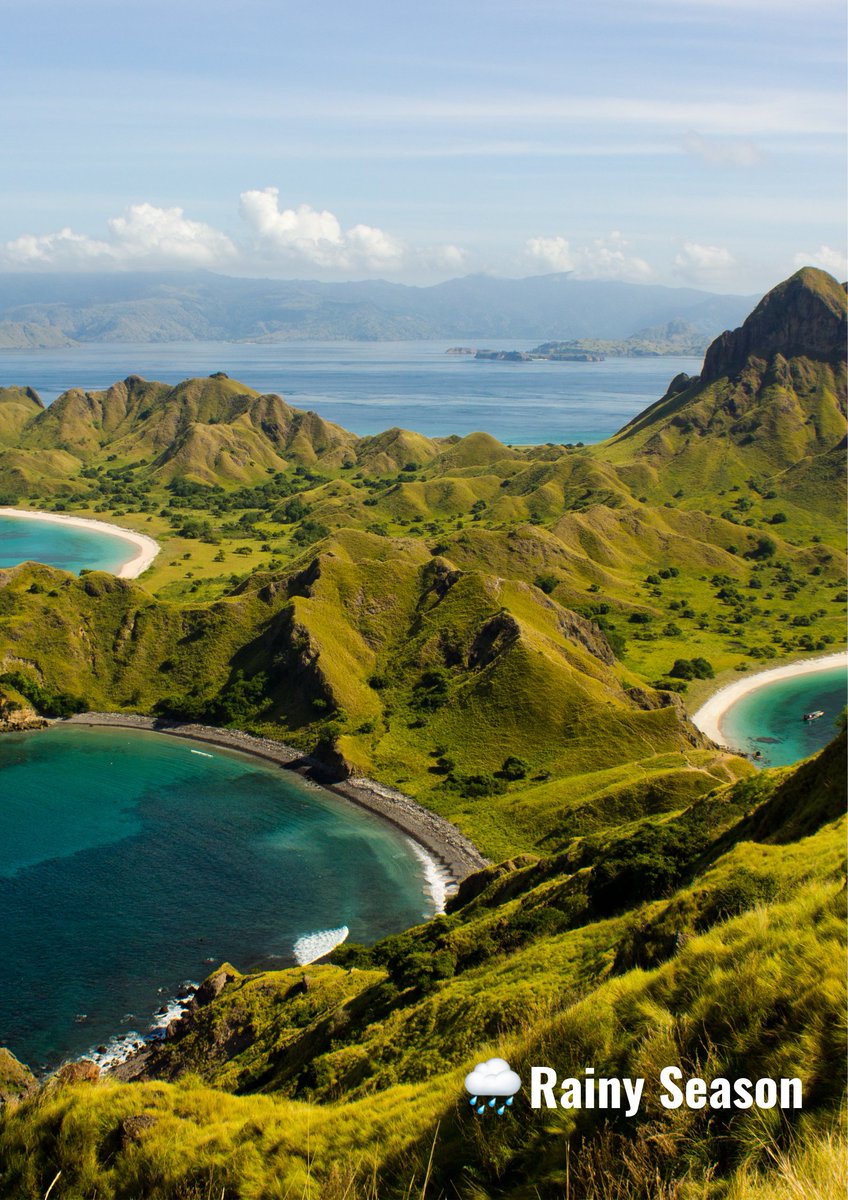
<point>371,386</point>
<point>132,861</point>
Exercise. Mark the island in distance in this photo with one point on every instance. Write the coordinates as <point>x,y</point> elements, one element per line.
<point>675,337</point>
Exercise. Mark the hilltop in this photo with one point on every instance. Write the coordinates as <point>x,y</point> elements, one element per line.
<point>510,635</point>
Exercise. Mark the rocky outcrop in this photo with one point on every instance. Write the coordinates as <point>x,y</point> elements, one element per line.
<point>16,1081</point>
<point>16,713</point>
<point>212,987</point>
<point>82,1071</point>
<point>474,885</point>
<point>802,317</point>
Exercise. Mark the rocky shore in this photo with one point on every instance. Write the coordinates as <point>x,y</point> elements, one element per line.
<point>438,837</point>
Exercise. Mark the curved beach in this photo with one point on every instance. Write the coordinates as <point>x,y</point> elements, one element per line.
<point>145,548</point>
<point>709,716</point>
<point>447,855</point>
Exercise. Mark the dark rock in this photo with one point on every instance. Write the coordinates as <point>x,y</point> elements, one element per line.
<point>212,987</point>
<point>499,632</point>
<point>84,1071</point>
<point>132,1129</point>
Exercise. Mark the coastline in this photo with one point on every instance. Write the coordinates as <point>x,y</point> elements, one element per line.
<point>146,548</point>
<point>709,716</point>
<point>452,856</point>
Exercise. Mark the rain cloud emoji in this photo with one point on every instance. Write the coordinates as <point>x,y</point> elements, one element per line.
<point>492,1081</point>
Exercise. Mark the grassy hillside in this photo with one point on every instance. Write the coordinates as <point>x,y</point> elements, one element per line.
<point>511,636</point>
<point>727,959</point>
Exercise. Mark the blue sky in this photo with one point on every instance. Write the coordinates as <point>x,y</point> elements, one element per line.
<point>675,141</point>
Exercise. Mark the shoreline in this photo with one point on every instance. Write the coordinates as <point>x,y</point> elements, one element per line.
<point>452,855</point>
<point>146,548</point>
<point>708,718</point>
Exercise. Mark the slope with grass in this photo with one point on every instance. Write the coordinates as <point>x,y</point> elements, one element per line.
<point>716,944</point>
<point>507,635</point>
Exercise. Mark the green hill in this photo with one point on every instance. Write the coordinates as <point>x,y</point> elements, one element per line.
<point>510,636</point>
<point>697,947</point>
<point>770,399</point>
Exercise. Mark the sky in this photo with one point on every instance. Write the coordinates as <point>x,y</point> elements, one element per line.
<point>683,142</point>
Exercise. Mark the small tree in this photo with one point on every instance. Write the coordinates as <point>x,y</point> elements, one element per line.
<point>546,583</point>
<point>514,768</point>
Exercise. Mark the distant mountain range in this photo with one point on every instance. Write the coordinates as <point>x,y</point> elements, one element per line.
<point>55,309</point>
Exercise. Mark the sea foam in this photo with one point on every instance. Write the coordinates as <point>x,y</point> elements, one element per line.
<point>122,1046</point>
<point>315,945</point>
<point>437,878</point>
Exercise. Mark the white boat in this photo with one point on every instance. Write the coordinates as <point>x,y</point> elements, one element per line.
<point>814,716</point>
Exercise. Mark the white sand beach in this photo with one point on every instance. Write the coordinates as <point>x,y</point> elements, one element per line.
<point>709,716</point>
<point>145,548</point>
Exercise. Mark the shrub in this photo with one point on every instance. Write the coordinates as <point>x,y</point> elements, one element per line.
<point>431,690</point>
<point>310,531</point>
<point>765,547</point>
<point>514,768</point>
<point>546,583</point>
<point>474,786</point>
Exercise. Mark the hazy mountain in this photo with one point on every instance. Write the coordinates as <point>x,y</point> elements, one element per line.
<point>55,309</point>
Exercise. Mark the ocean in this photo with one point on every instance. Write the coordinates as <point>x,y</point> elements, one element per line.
<point>371,386</point>
<point>131,862</point>
<point>771,719</point>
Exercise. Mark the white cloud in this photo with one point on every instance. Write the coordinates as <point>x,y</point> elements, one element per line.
<point>304,236</point>
<point>62,249</point>
<point>147,232</point>
<point>144,236</point>
<point>552,252</point>
<point>445,258</point>
<point>277,240</point>
<point>494,1077</point>
<point>827,258</point>
<point>703,264</point>
<point>603,258</point>
<point>723,152</point>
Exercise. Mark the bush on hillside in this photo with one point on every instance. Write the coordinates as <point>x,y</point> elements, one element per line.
<point>46,702</point>
<point>546,583</point>
<point>514,768</point>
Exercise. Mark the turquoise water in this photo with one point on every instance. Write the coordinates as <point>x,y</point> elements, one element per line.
<point>371,386</point>
<point>60,545</point>
<point>771,719</point>
<point>129,864</point>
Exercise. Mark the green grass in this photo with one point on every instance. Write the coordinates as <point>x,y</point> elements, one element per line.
<point>427,610</point>
<point>343,1088</point>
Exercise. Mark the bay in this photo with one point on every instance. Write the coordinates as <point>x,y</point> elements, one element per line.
<point>69,547</point>
<point>129,864</point>
<point>775,712</point>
